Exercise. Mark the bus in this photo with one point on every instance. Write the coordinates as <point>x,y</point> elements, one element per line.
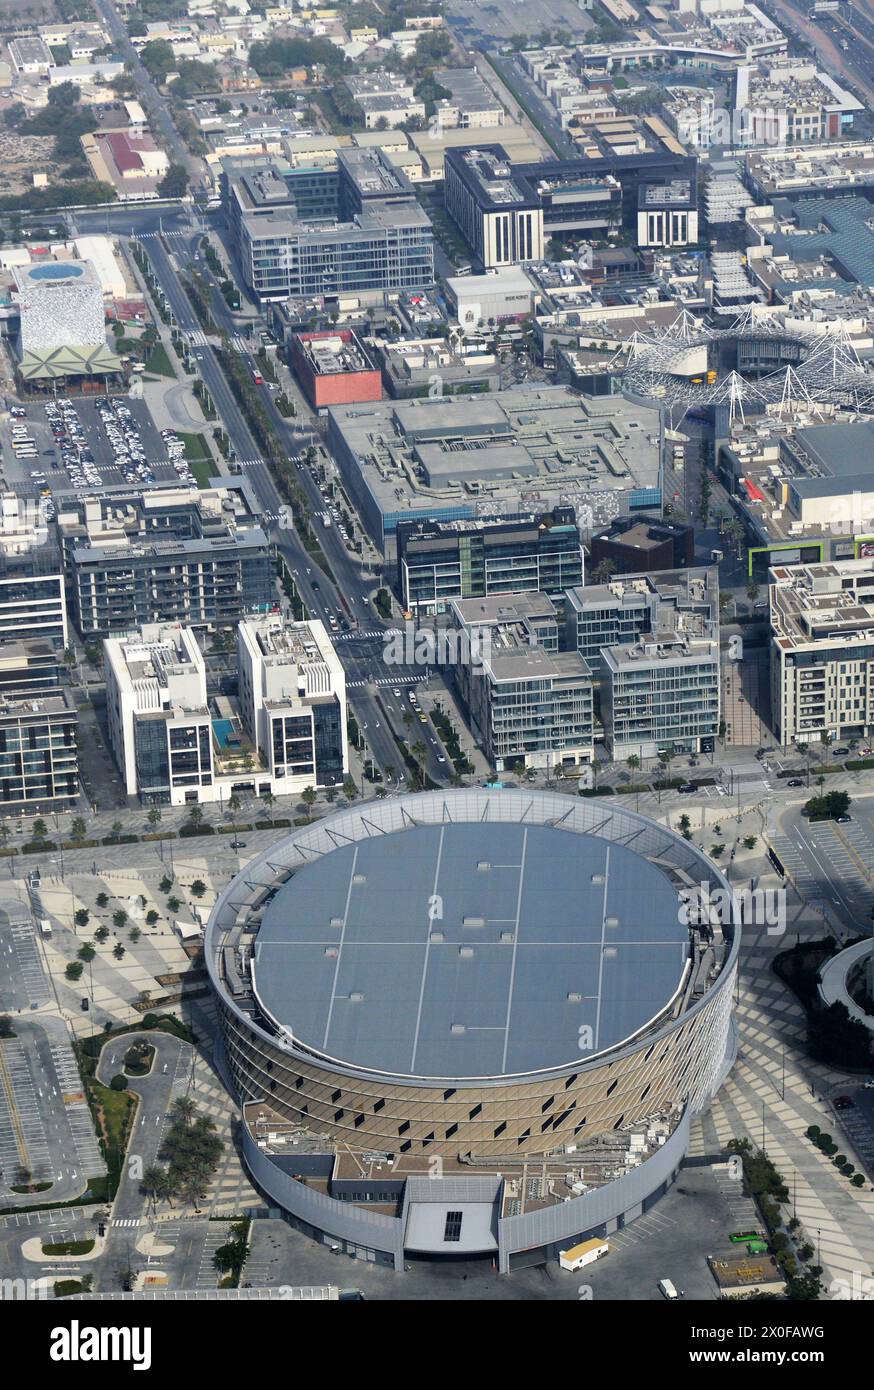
<point>257,377</point>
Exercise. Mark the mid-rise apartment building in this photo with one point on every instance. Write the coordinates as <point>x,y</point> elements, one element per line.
<point>822,650</point>
<point>661,695</point>
<point>528,702</point>
<point>160,727</point>
<point>473,559</point>
<point>508,211</point>
<point>174,555</point>
<point>39,762</point>
<point>293,702</point>
<point>631,607</point>
<point>176,743</point>
<point>652,642</point>
<point>32,600</point>
<point>353,229</point>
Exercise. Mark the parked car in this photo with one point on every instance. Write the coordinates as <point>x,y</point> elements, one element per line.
<point>795,782</point>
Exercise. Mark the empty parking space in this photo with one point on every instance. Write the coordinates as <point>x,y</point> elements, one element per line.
<point>217,1235</point>
<point>24,1143</point>
<point>23,983</point>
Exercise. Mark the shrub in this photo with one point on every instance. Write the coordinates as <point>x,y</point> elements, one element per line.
<point>858,1180</point>
<point>118,1082</point>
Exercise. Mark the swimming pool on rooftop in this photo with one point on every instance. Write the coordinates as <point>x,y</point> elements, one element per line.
<point>224,732</point>
<point>54,271</point>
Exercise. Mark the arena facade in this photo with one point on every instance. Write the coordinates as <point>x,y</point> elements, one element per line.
<point>428,999</point>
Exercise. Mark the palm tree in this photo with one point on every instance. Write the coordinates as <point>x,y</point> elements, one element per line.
<point>269,801</point>
<point>183,1108</point>
<point>603,571</point>
<point>308,797</point>
<point>153,1183</point>
<point>633,762</point>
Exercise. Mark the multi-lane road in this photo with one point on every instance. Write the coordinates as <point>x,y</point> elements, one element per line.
<point>172,234</point>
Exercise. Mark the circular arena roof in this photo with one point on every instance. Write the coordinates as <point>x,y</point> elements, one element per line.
<point>470,950</point>
<point>461,934</point>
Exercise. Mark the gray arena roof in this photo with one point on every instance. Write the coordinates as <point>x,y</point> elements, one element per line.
<point>541,934</point>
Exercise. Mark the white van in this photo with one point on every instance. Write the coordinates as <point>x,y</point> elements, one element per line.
<point>667,1288</point>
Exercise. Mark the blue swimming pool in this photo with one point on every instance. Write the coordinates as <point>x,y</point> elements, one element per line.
<point>223,730</point>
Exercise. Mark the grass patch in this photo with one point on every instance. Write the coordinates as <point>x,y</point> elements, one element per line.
<point>204,471</point>
<point>64,1287</point>
<point>69,1247</point>
<point>97,1191</point>
<point>199,458</point>
<point>22,1189</point>
<point>158,361</point>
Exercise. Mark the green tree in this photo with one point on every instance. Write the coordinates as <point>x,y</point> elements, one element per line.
<point>198,888</point>
<point>308,797</point>
<point>86,952</point>
<point>154,816</point>
<point>78,828</point>
<point>603,571</point>
<point>74,970</point>
<point>39,829</point>
<point>102,899</point>
<point>152,917</point>
<point>174,184</point>
<point>119,918</point>
<point>82,917</point>
<point>101,934</point>
<point>158,59</point>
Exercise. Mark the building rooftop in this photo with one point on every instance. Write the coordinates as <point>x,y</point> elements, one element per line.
<point>353,970</point>
<point>524,449</point>
<point>810,604</point>
<point>829,166</point>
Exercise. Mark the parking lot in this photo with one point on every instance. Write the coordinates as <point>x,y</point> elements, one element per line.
<point>67,446</point>
<point>23,984</point>
<point>857,1122</point>
<point>45,1123</point>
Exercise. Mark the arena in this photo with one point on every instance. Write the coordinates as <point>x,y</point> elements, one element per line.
<point>423,996</point>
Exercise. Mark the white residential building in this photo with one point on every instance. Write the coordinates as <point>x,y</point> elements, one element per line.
<point>293,702</point>
<point>159,721</point>
<point>822,650</point>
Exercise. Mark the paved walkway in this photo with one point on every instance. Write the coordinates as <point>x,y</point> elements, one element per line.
<point>774,1092</point>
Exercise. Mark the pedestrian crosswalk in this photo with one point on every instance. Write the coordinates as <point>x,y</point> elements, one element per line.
<point>239,344</point>
<point>254,463</point>
<point>791,858</point>
<point>357,635</point>
<point>125,1221</point>
<point>197,338</point>
<point>399,679</point>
